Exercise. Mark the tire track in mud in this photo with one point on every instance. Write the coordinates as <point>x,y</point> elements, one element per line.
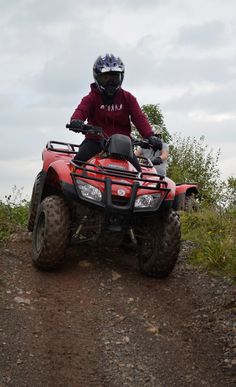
<point>101,323</point>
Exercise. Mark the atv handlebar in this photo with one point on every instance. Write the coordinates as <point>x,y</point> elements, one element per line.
<point>142,143</point>
<point>79,126</point>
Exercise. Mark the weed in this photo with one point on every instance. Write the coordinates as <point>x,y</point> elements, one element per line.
<point>215,236</point>
<point>13,213</point>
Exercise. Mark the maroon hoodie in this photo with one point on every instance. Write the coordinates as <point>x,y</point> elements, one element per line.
<point>114,114</point>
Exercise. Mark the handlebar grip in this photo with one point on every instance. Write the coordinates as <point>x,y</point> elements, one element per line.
<point>142,144</point>
<point>78,126</point>
<point>76,130</point>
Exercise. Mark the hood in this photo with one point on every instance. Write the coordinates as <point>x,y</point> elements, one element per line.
<point>95,88</point>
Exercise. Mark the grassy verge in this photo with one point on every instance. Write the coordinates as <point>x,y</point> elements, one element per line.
<point>214,234</point>
<point>13,213</point>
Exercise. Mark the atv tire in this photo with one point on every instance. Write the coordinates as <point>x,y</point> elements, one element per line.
<point>190,203</point>
<point>160,245</point>
<point>51,233</point>
<point>34,202</point>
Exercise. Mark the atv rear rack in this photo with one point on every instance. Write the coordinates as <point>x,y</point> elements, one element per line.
<point>69,148</point>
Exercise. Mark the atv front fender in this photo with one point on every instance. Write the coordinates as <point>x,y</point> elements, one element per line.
<point>35,199</point>
<point>58,180</point>
<point>61,169</point>
<point>182,191</point>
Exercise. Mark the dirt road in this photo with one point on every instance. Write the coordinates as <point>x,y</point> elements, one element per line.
<point>101,323</point>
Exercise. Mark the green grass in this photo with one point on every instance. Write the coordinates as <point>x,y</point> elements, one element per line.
<point>214,234</point>
<point>13,214</point>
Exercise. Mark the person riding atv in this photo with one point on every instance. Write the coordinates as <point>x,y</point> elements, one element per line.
<point>112,108</point>
<point>158,157</point>
<point>100,190</point>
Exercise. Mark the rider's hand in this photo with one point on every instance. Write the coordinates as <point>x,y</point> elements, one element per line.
<point>157,161</point>
<point>145,144</point>
<point>77,124</point>
<point>155,142</point>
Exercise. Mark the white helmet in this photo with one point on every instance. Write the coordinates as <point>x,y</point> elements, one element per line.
<point>157,130</point>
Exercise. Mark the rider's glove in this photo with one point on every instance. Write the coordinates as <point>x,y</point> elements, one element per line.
<point>145,144</point>
<point>157,161</point>
<point>155,142</point>
<point>77,123</point>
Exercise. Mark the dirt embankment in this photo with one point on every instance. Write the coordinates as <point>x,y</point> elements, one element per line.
<point>99,322</point>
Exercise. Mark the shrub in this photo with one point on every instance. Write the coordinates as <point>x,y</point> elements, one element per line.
<point>214,234</point>
<point>191,161</point>
<point>13,213</point>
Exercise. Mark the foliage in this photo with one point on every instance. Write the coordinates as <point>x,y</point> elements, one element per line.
<point>228,199</point>
<point>155,117</point>
<point>214,235</point>
<point>13,213</point>
<point>191,161</point>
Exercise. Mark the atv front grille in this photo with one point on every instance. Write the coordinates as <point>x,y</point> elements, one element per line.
<point>119,200</point>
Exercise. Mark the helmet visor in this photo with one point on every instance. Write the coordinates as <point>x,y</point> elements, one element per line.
<point>109,79</point>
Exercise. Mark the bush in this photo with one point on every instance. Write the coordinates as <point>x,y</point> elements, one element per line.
<point>228,196</point>
<point>155,116</point>
<point>191,161</point>
<point>13,213</point>
<point>214,234</point>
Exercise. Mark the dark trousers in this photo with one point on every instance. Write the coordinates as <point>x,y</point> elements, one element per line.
<point>90,148</point>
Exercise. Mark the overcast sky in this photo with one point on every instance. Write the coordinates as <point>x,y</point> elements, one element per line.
<point>180,54</point>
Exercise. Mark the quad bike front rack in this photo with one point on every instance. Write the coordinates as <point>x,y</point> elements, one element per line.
<point>87,171</point>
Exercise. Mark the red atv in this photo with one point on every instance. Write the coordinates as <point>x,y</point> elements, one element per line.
<point>104,201</point>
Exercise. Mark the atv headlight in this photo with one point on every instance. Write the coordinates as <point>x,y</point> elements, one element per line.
<point>147,201</point>
<point>88,191</point>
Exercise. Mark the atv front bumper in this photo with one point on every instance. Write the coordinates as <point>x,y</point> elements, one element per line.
<point>141,198</point>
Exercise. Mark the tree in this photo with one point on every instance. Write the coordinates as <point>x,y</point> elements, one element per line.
<point>155,117</point>
<point>191,160</point>
<point>232,191</point>
<point>229,193</point>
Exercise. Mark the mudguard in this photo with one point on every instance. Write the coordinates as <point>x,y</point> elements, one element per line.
<point>183,190</point>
